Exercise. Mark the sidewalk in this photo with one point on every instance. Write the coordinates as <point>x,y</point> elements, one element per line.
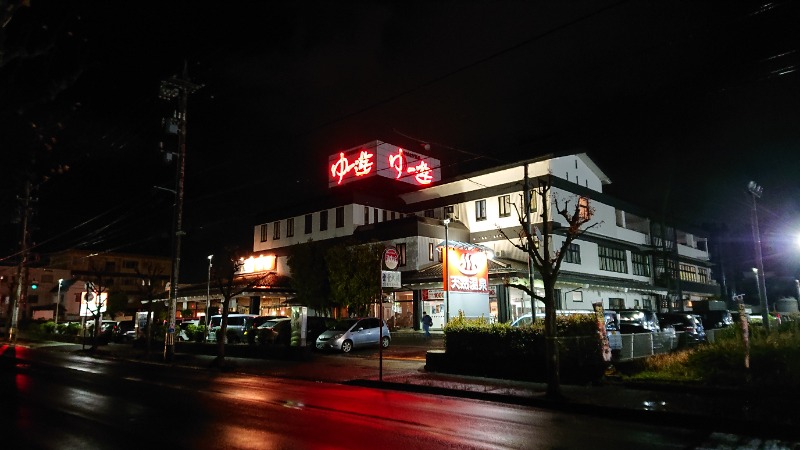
<point>723,410</point>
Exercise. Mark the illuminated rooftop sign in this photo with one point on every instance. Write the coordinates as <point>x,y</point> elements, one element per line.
<point>378,158</point>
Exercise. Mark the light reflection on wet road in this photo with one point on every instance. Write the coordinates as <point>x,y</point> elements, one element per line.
<point>60,400</point>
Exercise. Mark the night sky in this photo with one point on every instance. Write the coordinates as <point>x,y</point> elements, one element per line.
<point>680,103</point>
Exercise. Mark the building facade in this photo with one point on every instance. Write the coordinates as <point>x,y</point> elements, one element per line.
<point>627,258</point>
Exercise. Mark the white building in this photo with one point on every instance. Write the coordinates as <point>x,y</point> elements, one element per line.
<point>628,259</point>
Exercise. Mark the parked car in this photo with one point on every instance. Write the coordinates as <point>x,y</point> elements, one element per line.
<point>237,325</point>
<point>688,325</point>
<point>252,334</point>
<point>348,334</point>
<point>315,326</point>
<point>274,332</point>
<point>612,319</point>
<point>125,331</point>
<point>638,321</point>
<point>714,319</point>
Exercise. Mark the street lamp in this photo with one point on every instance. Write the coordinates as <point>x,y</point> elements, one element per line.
<point>58,299</point>
<point>446,269</point>
<point>208,296</point>
<point>756,191</point>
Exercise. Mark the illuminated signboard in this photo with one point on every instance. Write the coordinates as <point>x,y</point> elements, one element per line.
<point>380,159</point>
<point>468,270</point>
<point>260,264</point>
<point>91,302</point>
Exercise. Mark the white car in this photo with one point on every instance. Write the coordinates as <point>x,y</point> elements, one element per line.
<point>348,334</point>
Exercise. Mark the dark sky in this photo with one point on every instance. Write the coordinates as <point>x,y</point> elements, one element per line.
<point>681,103</point>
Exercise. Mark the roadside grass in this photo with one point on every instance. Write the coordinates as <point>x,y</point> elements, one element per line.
<point>773,359</point>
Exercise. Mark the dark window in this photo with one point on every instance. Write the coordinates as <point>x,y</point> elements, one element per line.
<point>130,264</point>
<point>480,210</point>
<point>429,213</point>
<point>375,215</point>
<point>448,211</point>
<point>504,205</point>
<point>573,254</point>
<point>616,303</point>
<point>111,266</point>
<point>290,227</point>
<point>612,259</point>
<point>366,215</point>
<point>340,217</point>
<point>385,215</point>
<point>264,231</point>
<point>308,224</point>
<point>276,230</point>
<point>641,264</point>
<point>323,220</point>
<point>394,216</point>
<point>401,254</point>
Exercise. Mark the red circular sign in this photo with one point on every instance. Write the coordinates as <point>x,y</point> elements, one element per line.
<point>390,258</point>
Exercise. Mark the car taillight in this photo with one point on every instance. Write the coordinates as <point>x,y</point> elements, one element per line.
<point>690,329</point>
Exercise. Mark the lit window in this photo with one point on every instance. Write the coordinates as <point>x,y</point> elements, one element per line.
<point>612,259</point>
<point>584,210</point>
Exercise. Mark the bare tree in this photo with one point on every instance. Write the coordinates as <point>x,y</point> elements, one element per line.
<point>147,288</point>
<point>537,244</point>
<point>230,282</point>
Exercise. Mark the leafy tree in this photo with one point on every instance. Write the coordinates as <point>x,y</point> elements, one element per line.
<point>310,275</point>
<point>548,262</point>
<point>354,275</point>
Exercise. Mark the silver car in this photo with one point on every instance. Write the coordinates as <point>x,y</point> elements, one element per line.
<point>348,334</point>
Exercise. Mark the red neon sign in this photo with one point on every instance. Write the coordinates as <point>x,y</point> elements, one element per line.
<point>385,160</point>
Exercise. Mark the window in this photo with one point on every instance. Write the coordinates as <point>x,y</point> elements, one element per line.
<point>430,251</point>
<point>429,213</point>
<point>533,200</point>
<point>584,210</point>
<point>702,275</point>
<point>385,215</point>
<point>401,254</point>
<point>264,231</point>
<point>449,211</point>
<point>480,210</point>
<point>340,217</point>
<point>129,264</point>
<point>616,303</point>
<point>323,220</point>
<point>290,227</point>
<point>688,273</point>
<point>111,266</point>
<point>647,303</point>
<point>641,264</point>
<point>276,230</point>
<point>612,259</point>
<point>574,296</point>
<point>504,205</point>
<point>375,215</point>
<point>366,215</point>
<point>573,254</point>
<point>308,224</point>
<point>394,215</point>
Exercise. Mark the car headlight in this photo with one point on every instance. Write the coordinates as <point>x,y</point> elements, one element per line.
<point>337,336</point>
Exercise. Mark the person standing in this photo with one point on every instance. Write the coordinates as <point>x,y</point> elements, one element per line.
<point>427,321</point>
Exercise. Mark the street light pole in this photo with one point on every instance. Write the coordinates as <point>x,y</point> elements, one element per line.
<point>58,299</point>
<point>208,296</point>
<point>756,191</point>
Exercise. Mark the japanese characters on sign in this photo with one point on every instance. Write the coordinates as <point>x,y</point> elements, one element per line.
<point>384,160</point>
<point>467,271</point>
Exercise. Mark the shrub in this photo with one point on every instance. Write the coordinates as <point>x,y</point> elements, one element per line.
<point>498,349</point>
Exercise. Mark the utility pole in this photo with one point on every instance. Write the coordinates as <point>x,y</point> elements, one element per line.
<point>179,88</point>
<point>756,191</point>
<point>22,268</point>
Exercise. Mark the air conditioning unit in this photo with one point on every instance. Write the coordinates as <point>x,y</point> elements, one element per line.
<point>500,254</point>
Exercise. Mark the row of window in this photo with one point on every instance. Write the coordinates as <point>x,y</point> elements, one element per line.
<point>375,213</point>
<point>612,259</point>
<point>504,206</point>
